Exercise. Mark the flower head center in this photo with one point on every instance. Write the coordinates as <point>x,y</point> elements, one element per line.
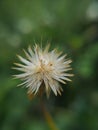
<point>45,66</point>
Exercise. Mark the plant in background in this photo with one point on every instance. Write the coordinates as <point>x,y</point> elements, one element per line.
<point>42,71</point>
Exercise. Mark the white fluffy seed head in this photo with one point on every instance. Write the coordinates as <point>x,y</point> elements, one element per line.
<point>43,68</point>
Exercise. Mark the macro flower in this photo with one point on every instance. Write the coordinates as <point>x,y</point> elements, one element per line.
<point>43,70</point>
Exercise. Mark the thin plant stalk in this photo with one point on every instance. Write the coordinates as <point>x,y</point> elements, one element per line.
<point>48,116</point>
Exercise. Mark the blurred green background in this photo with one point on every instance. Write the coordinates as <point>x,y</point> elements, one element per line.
<point>70,26</point>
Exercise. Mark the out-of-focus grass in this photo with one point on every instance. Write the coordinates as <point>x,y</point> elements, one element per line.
<point>72,27</point>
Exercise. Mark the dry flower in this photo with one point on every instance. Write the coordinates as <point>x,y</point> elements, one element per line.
<point>43,70</point>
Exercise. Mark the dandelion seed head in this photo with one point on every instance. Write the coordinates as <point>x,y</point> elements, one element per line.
<point>43,68</point>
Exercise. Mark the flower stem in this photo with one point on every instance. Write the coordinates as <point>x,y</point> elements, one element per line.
<point>48,117</point>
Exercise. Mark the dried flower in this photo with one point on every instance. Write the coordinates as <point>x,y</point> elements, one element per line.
<point>43,69</point>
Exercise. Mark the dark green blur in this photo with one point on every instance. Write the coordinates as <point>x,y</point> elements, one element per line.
<point>72,27</point>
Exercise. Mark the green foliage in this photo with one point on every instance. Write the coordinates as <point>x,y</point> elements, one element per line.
<point>70,26</point>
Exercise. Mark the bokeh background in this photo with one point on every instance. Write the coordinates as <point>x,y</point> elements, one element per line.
<point>70,26</point>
